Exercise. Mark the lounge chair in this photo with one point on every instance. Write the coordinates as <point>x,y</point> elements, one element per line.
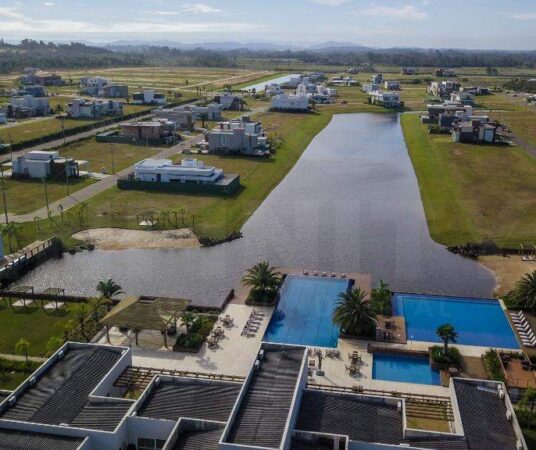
<point>517,314</point>
<point>522,320</point>
<point>525,327</point>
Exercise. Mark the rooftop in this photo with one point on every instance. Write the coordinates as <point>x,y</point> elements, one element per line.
<point>18,440</point>
<point>199,439</point>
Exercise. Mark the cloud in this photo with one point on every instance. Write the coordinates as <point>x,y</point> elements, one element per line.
<point>49,3</point>
<point>406,12</point>
<point>330,2</point>
<point>162,13</point>
<point>10,13</point>
<point>200,8</point>
<point>523,16</point>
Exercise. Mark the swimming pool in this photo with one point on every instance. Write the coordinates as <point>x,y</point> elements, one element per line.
<point>303,314</point>
<point>404,368</point>
<point>480,322</point>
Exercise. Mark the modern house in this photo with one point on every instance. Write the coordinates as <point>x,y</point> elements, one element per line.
<point>182,118</point>
<point>290,103</point>
<point>190,175</point>
<point>44,164</point>
<point>93,85</point>
<point>376,78</point>
<point>35,90</point>
<point>272,89</point>
<point>212,111</point>
<point>34,76</point>
<point>370,87</point>
<point>387,99</point>
<point>229,101</point>
<point>115,91</point>
<point>238,136</point>
<point>343,81</point>
<point>148,97</point>
<point>306,88</point>
<point>155,132</point>
<point>75,401</point>
<point>391,85</point>
<point>444,72</point>
<point>409,71</point>
<point>463,98</point>
<point>443,89</point>
<point>28,106</point>
<point>474,132</point>
<point>80,108</point>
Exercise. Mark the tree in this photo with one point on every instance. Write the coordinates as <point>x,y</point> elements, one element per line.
<point>204,117</point>
<point>12,230</point>
<point>529,399</point>
<point>107,289</point>
<point>525,292</point>
<point>36,220</point>
<point>263,280</point>
<point>188,319</point>
<point>81,211</point>
<point>447,334</point>
<point>80,312</point>
<point>59,109</point>
<point>353,313</point>
<point>381,299</point>
<point>22,347</point>
<point>53,344</point>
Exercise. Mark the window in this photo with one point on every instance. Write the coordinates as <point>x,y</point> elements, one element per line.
<point>150,444</point>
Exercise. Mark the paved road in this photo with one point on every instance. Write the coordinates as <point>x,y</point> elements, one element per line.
<point>59,142</point>
<point>98,187</point>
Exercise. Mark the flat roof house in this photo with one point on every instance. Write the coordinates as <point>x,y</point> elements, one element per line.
<point>212,111</point>
<point>182,118</point>
<point>93,85</point>
<point>409,71</point>
<point>463,98</point>
<point>387,99</point>
<point>115,91</point>
<point>376,78</point>
<point>474,132</point>
<point>80,108</point>
<point>238,136</point>
<point>148,97</point>
<point>443,89</point>
<point>284,102</point>
<point>391,85</point>
<point>229,101</point>
<point>154,132</point>
<point>28,106</point>
<point>370,87</point>
<point>40,164</point>
<point>35,76</point>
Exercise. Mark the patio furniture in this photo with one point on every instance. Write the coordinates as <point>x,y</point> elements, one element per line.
<point>324,274</point>
<point>336,353</point>
<point>312,363</point>
<point>453,371</point>
<point>306,272</point>
<point>315,273</point>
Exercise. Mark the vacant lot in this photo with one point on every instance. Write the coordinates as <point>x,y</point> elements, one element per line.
<point>473,192</point>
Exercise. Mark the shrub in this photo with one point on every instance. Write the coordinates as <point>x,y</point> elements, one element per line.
<point>493,365</point>
<point>452,357</point>
<point>203,325</point>
<point>192,340</point>
<point>8,365</point>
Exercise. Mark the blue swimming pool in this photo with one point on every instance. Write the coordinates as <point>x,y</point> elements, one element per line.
<point>404,368</point>
<point>479,322</point>
<point>303,314</point>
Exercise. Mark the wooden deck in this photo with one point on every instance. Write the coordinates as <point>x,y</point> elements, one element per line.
<point>391,329</point>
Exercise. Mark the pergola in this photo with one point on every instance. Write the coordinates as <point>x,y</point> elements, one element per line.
<point>145,313</point>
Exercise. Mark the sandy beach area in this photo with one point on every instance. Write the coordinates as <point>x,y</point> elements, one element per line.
<point>508,270</point>
<point>120,239</point>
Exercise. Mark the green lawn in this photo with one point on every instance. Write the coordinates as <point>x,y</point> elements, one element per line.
<point>473,192</point>
<point>530,438</point>
<point>31,129</point>
<point>33,324</point>
<point>9,381</point>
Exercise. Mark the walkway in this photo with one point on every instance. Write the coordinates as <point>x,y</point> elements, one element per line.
<point>98,187</point>
<point>11,357</point>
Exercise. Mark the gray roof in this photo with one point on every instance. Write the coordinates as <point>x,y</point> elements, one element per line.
<point>61,393</point>
<point>23,440</point>
<point>195,399</point>
<point>265,407</point>
<point>483,415</point>
<point>199,440</point>
<point>361,419</point>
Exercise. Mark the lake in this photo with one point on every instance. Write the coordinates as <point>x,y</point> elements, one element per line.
<point>350,204</point>
<point>260,86</point>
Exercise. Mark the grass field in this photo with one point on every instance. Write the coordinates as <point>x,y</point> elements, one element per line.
<point>34,324</point>
<point>473,192</point>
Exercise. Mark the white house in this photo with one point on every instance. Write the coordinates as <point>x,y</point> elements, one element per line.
<point>284,102</point>
<point>93,85</point>
<point>370,87</point>
<point>29,106</point>
<point>387,99</point>
<point>272,89</point>
<point>376,78</point>
<point>188,171</point>
<point>343,81</point>
<point>392,85</point>
<point>463,98</point>
<point>80,108</point>
<point>238,136</point>
<point>44,164</point>
<point>212,111</point>
<point>228,101</point>
<point>148,97</point>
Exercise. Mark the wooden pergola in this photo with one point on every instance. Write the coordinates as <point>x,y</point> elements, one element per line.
<point>145,313</point>
<point>21,290</point>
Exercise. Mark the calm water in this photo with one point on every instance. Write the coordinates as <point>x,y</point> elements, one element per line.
<point>260,86</point>
<point>351,203</point>
<point>404,368</point>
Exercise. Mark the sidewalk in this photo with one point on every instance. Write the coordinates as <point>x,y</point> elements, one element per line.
<point>37,359</point>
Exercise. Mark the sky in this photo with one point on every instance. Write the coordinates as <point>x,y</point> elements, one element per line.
<point>476,24</point>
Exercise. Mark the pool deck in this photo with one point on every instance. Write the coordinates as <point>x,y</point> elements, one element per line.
<point>362,280</point>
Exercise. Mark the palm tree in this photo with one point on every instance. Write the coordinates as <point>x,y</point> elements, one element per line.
<point>525,292</point>
<point>81,311</point>
<point>188,319</point>
<point>529,399</point>
<point>107,289</point>
<point>81,211</point>
<point>353,313</point>
<point>36,220</point>
<point>22,347</point>
<point>203,117</point>
<point>53,344</point>
<point>447,334</point>
<point>12,230</point>
<point>381,299</point>
<point>263,280</point>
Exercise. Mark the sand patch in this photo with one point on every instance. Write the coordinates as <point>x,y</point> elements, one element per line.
<point>120,239</point>
<point>508,270</point>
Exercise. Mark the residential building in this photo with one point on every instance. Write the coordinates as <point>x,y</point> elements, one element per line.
<point>305,88</point>
<point>387,99</point>
<point>376,78</point>
<point>152,132</point>
<point>343,81</point>
<point>80,108</point>
<point>182,118</point>
<point>35,90</point>
<point>409,71</point>
<point>212,111</point>
<point>463,98</point>
<point>148,97</point>
<point>284,102</point>
<point>238,136</point>
<point>75,401</point>
<point>45,164</point>
<point>474,132</point>
<point>443,89</point>
<point>272,89</point>
<point>28,106</point>
<point>317,77</point>
<point>370,87</point>
<point>353,70</point>
<point>34,76</point>
<point>93,85</point>
<point>188,171</point>
<point>228,101</point>
<point>475,90</point>
<point>392,85</point>
<point>115,91</point>
<point>3,117</point>
<point>444,72</point>
<point>294,81</point>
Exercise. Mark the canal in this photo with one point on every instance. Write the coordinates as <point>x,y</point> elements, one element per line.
<point>351,203</point>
